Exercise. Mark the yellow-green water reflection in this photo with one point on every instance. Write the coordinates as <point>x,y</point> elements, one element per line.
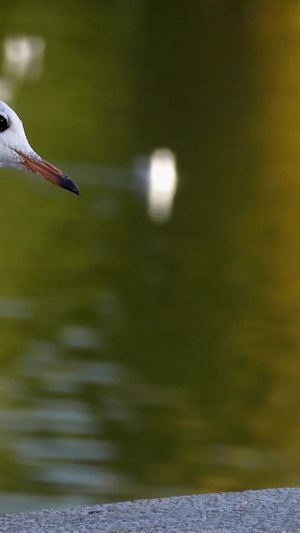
<point>141,359</point>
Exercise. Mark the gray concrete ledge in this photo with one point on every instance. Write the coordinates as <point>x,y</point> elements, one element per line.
<point>272,511</point>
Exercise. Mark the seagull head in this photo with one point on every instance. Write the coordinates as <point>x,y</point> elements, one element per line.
<point>16,152</point>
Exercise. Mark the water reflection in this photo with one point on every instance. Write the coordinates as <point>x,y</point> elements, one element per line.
<point>157,175</point>
<point>6,89</point>
<point>23,57</point>
<point>16,308</point>
<point>80,337</point>
<point>154,178</point>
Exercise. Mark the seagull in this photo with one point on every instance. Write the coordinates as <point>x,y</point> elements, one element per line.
<point>16,152</point>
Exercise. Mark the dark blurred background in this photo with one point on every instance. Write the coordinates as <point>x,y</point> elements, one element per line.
<point>150,329</point>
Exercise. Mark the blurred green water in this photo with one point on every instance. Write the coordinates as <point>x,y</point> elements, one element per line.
<point>141,359</point>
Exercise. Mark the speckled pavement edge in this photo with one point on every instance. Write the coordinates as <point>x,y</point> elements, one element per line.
<point>272,511</point>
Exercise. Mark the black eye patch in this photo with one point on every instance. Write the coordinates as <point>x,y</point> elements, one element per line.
<point>3,123</point>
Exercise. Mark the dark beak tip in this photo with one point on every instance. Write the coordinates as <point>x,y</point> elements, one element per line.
<point>69,185</point>
<point>75,190</point>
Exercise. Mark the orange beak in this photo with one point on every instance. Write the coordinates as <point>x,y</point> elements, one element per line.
<point>48,171</point>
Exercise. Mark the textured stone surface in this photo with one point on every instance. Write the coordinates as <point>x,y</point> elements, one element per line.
<point>272,511</point>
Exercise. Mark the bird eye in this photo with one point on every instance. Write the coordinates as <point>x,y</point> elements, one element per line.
<point>3,123</point>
